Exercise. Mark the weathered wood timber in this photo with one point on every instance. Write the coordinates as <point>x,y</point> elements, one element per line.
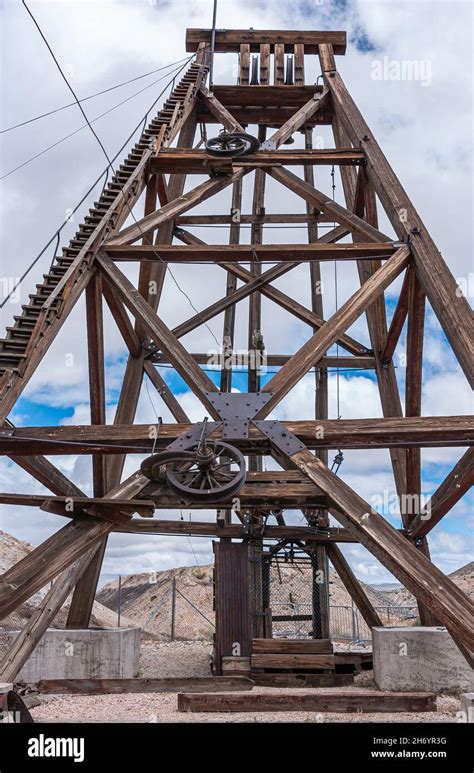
<point>353,701</point>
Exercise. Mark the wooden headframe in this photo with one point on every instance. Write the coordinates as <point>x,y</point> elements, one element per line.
<point>271,94</point>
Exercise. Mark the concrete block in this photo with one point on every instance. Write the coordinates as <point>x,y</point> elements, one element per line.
<point>467,707</point>
<point>91,653</point>
<point>418,658</point>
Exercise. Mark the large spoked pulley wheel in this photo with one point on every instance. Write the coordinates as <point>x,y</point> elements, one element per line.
<point>226,145</point>
<point>207,472</point>
<point>232,144</point>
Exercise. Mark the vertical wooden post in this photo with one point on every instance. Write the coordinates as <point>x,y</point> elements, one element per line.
<point>244,64</point>
<point>279,64</point>
<point>320,593</point>
<point>264,64</point>
<point>85,590</point>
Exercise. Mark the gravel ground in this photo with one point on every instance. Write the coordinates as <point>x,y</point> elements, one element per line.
<point>186,659</point>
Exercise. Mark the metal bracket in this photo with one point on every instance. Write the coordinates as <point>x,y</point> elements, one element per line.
<point>268,145</point>
<point>280,437</point>
<point>191,436</point>
<point>238,405</point>
<point>237,409</point>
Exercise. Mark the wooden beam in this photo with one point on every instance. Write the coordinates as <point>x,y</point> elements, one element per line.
<point>231,40</point>
<point>165,393</point>
<point>41,618</point>
<point>416,572</point>
<point>140,685</point>
<point>392,432</point>
<point>270,253</point>
<point>280,384</point>
<point>173,160</point>
<point>353,586</point>
<point>293,662</point>
<point>222,114</point>
<point>442,291</point>
<point>318,100</point>
<point>184,364</point>
<point>359,198</point>
<point>451,490</point>
<point>42,564</point>
<point>353,701</point>
<point>176,207</point>
<point>279,297</point>
<point>122,320</point>
<point>82,601</point>
<point>321,201</point>
<point>398,320</point>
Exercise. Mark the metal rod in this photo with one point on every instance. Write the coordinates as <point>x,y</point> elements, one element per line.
<point>213,43</point>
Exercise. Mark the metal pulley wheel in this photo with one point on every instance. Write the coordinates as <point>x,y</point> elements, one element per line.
<point>232,144</point>
<point>210,471</point>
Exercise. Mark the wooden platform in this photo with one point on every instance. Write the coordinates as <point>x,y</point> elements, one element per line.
<point>353,701</point>
<point>292,654</point>
<point>118,686</point>
<point>302,680</point>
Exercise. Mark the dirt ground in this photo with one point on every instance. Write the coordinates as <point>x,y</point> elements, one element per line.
<point>191,659</point>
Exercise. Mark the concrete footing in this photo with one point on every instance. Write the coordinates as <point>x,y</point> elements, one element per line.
<point>419,658</point>
<point>92,653</point>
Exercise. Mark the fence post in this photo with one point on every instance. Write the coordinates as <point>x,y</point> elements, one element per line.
<point>119,608</point>
<point>354,624</point>
<point>173,608</point>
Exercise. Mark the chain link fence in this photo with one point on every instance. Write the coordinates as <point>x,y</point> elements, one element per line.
<point>179,605</point>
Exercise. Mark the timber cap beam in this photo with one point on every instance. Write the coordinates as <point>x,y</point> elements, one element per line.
<point>229,41</point>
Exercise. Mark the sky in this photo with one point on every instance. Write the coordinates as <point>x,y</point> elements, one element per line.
<point>424,125</point>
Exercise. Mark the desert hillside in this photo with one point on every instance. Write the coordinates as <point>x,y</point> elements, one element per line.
<point>13,550</point>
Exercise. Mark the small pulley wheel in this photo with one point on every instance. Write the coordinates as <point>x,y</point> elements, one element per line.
<point>226,144</point>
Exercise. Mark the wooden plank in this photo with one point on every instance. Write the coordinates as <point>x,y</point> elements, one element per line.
<point>352,584</point>
<point>449,305</point>
<point>244,64</point>
<point>141,685</point>
<point>173,160</point>
<point>296,661</point>
<point>424,431</point>
<point>286,378</point>
<point>292,646</point>
<point>270,253</point>
<point>231,40</point>
<point>450,605</point>
<point>279,64</point>
<point>232,601</point>
<point>264,64</point>
<point>450,491</point>
<point>299,64</point>
<point>300,680</point>
<point>352,701</point>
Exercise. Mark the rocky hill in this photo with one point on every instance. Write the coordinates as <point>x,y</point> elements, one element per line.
<point>13,550</point>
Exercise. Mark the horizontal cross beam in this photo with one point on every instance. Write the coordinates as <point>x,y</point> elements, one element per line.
<point>422,431</point>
